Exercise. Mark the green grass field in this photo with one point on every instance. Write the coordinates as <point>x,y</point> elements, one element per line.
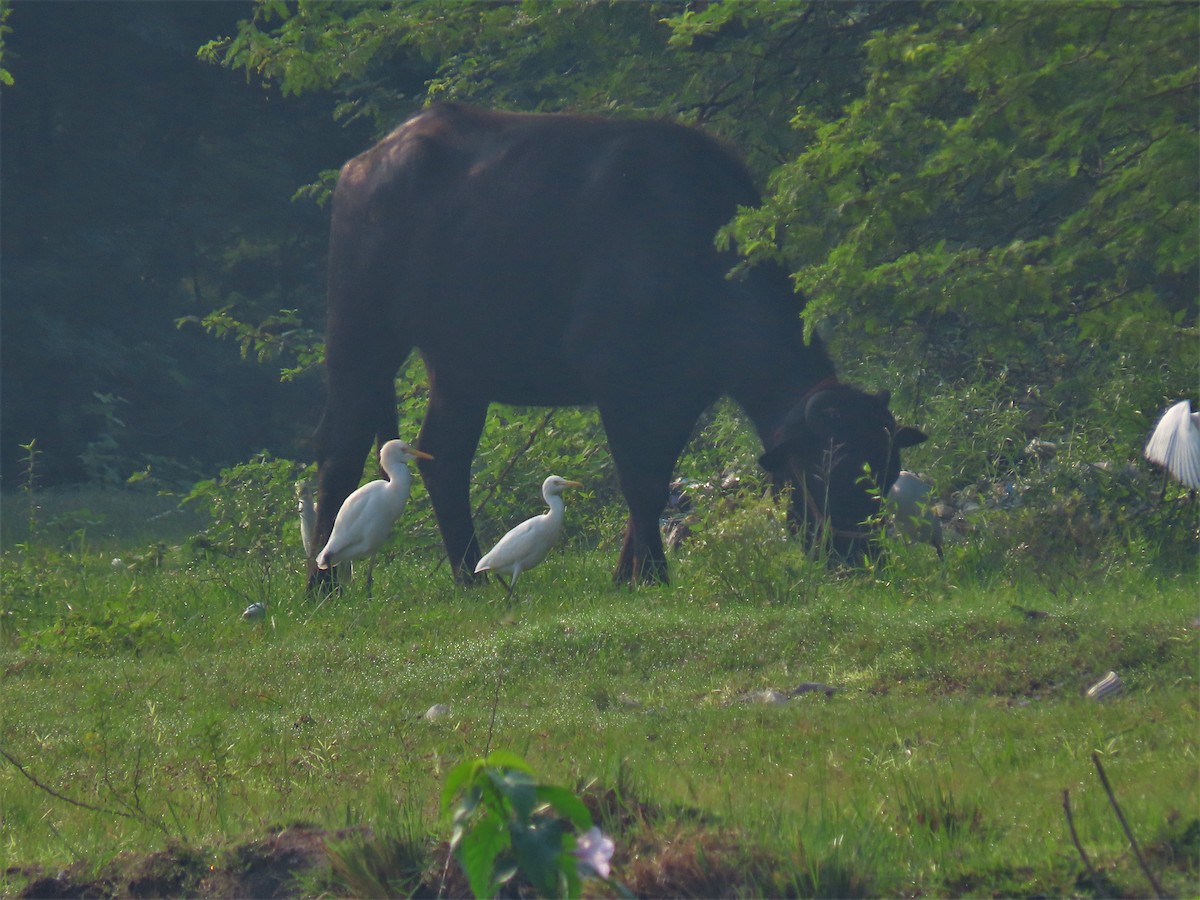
<point>935,767</point>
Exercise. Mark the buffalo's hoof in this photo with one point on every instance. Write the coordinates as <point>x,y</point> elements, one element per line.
<point>322,582</point>
<point>650,572</point>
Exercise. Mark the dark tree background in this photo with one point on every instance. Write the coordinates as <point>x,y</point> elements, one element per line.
<point>977,198</point>
<point>141,185</point>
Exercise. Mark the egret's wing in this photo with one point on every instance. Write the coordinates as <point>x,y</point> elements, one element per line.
<point>520,545</point>
<point>361,525</point>
<point>308,523</point>
<point>1175,444</point>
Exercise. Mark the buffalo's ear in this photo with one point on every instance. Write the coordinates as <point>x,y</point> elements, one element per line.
<point>776,458</point>
<point>907,436</point>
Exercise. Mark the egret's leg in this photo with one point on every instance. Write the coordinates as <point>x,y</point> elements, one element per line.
<point>508,585</point>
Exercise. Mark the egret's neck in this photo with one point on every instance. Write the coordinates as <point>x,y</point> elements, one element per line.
<point>555,502</point>
<point>400,477</point>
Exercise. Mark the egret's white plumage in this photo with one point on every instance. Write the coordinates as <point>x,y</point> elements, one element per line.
<point>1175,444</point>
<point>367,515</point>
<point>527,544</point>
<point>909,502</point>
<point>308,518</point>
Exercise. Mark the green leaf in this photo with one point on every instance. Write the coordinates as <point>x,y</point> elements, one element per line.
<point>538,847</point>
<point>566,804</point>
<point>506,759</point>
<point>457,779</point>
<point>478,852</point>
<point>517,788</point>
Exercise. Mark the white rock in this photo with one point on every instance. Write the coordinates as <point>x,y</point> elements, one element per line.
<point>1107,686</point>
<point>254,612</point>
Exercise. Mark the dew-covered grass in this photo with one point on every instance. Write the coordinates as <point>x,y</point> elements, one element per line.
<point>935,762</point>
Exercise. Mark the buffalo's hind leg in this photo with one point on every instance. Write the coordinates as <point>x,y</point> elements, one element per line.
<point>450,435</point>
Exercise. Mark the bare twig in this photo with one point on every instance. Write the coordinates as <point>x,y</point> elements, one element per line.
<point>1087,863</point>
<point>1137,851</point>
<point>487,750</point>
<point>134,809</point>
<point>59,796</point>
<point>521,451</point>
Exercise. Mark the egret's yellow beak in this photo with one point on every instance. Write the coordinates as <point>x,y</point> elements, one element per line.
<point>572,484</point>
<point>420,454</point>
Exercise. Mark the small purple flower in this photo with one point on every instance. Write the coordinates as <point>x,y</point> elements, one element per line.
<point>593,849</point>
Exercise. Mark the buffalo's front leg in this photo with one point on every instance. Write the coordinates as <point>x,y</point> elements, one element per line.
<point>450,434</point>
<point>644,447</point>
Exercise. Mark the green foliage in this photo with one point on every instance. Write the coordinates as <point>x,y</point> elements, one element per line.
<point>506,823</point>
<point>249,508</point>
<point>386,859</point>
<point>5,8</point>
<point>741,545</point>
<point>741,68</point>
<point>114,628</point>
<point>280,336</point>
<point>103,458</point>
<point>1006,171</point>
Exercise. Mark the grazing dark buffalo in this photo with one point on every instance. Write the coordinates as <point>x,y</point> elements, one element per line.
<point>557,260</point>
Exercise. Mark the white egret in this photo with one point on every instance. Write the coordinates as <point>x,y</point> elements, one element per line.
<point>1175,444</point>
<point>914,517</point>
<point>308,518</point>
<point>367,515</point>
<point>527,544</point>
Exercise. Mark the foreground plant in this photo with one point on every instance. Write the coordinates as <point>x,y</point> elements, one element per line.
<point>507,822</point>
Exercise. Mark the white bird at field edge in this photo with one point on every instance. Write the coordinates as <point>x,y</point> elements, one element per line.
<point>308,518</point>
<point>1175,444</point>
<point>527,544</point>
<point>367,515</point>
<point>908,499</point>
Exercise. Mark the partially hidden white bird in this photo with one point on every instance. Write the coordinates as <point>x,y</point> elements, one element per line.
<point>1175,444</point>
<point>914,517</point>
<point>308,518</point>
<point>527,544</point>
<point>367,515</point>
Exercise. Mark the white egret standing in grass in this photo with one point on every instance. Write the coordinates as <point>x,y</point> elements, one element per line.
<point>909,502</point>
<point>308,518</point>
<point>527,544</point>
<point>367,516</point>
<point>1175,444</point>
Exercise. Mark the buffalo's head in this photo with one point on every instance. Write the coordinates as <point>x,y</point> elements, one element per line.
<point>839,449</point>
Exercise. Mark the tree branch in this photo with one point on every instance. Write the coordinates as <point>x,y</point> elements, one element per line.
<point>53,793</point>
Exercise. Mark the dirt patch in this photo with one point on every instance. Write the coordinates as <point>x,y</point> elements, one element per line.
<point>263,868</point>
